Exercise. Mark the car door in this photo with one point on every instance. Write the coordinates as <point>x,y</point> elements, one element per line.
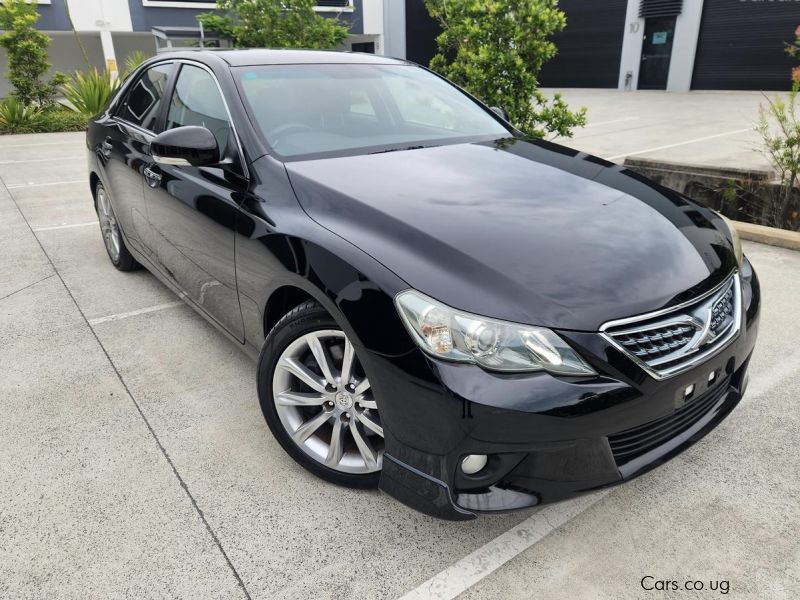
<point>192,210</point>
<point>124,152</point>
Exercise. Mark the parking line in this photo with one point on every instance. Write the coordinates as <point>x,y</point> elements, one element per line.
<point>54,227</point>
<point>135,403</point>
<point>71,142</point>
<point>459,577</point>
<point>462,575</point>
<point>134,313</point>
<point>17,186</point>
<point>622,120</point>
<point>37,160</point>
<point>675,145</point>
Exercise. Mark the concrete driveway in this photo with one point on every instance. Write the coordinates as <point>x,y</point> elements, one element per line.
<point>712,129</point>
<point>134,461</point>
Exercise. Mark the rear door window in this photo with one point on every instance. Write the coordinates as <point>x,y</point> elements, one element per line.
<point>143,100</point>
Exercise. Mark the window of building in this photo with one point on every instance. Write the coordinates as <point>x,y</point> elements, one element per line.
<point>322,5</point>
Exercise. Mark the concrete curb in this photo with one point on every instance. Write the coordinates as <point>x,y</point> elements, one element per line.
<point>782,238</point>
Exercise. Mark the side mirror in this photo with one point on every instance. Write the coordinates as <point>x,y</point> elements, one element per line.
<point>188,145</point>
<point>499,112</point>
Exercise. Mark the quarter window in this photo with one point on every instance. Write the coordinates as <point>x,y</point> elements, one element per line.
<point>144,98</point>
<point>197,101</point>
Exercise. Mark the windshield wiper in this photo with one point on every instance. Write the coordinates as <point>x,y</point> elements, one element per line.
<point>400,149</point>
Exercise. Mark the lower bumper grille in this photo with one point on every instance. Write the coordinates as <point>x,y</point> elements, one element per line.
<point>637,441</point>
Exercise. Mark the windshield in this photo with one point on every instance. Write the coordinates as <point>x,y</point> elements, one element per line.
<point>324,109</point>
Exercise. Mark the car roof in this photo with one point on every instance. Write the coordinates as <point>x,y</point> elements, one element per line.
<point>248,58</point>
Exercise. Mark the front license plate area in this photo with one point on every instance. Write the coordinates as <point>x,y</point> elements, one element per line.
<point>707,378</point>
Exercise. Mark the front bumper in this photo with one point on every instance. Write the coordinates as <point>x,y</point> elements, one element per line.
<point>548,438</point>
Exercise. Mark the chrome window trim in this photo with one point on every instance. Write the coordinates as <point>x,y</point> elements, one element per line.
<point>139,128</point>
<point>696,357</point>
<point>126,88</point>
<point>224,102</point>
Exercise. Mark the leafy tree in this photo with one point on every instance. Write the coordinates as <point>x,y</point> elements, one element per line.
<point>274,24</point>
<point>495,49</point>
<point>27,54</point>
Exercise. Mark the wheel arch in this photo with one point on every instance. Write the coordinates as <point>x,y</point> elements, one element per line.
<point>296,270</point>
<point>281,301</point>
<point>94,180</point>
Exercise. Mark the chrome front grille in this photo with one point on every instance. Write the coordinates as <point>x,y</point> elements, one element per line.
<point>658,342</point>
<point>669,342</point>
<point>722,312</point>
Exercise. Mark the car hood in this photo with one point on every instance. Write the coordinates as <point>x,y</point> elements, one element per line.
<point>520,230</point>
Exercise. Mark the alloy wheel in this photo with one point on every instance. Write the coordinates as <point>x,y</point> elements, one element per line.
<point>108,225</point>
<point>325,403</point>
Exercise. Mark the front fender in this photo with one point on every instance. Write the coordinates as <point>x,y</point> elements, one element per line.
<point>354,288</point>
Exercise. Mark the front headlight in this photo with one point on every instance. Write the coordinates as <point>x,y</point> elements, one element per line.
<point>735,239</point>
<point>450,334</point>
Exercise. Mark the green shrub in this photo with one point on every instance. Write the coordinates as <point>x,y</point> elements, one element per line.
<point>274,24</point>
<point>132,62</point>
<point>15,117</point>
<point>27,53</point>
<point>779,127</point>
<point>89,92</point>
<point>14,114</point>
<point>59,119</point>
<point>495,49</point>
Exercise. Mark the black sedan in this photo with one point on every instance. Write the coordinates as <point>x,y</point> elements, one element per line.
<point>469,319</point>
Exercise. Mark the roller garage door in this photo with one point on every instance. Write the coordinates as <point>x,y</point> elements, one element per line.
<point>421,33</point>
<point>590,47</point>
<point>741,45</point>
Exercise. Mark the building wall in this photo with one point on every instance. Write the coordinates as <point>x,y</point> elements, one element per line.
<point>126,43</point>
<point>99,15</point>
<point>717,44</point>
<point>687,27</point>
<point>145,18</point>
<point>113,29</point>
<point>171,14</point>
<point>65,55</point>
<point>633,29</point>
<point>53,16</point>
<point>394,28</point>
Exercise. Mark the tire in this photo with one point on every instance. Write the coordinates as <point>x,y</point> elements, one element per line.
<point>118,252</point>
<point>328,425</point>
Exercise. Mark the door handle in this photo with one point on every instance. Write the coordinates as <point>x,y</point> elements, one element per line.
<point>106,147</point>
<point>153,177</point>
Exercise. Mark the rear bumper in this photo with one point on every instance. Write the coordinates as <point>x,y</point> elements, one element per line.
<point>547,438</point>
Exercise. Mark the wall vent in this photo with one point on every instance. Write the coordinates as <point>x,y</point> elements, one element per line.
<point>660,8</point>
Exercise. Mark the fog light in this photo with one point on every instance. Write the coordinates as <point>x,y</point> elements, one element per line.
<point>473,463</point>
<point>687,393</point>
<point>712,376</point>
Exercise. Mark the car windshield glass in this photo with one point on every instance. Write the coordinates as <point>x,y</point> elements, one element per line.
<point>324,109</point>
